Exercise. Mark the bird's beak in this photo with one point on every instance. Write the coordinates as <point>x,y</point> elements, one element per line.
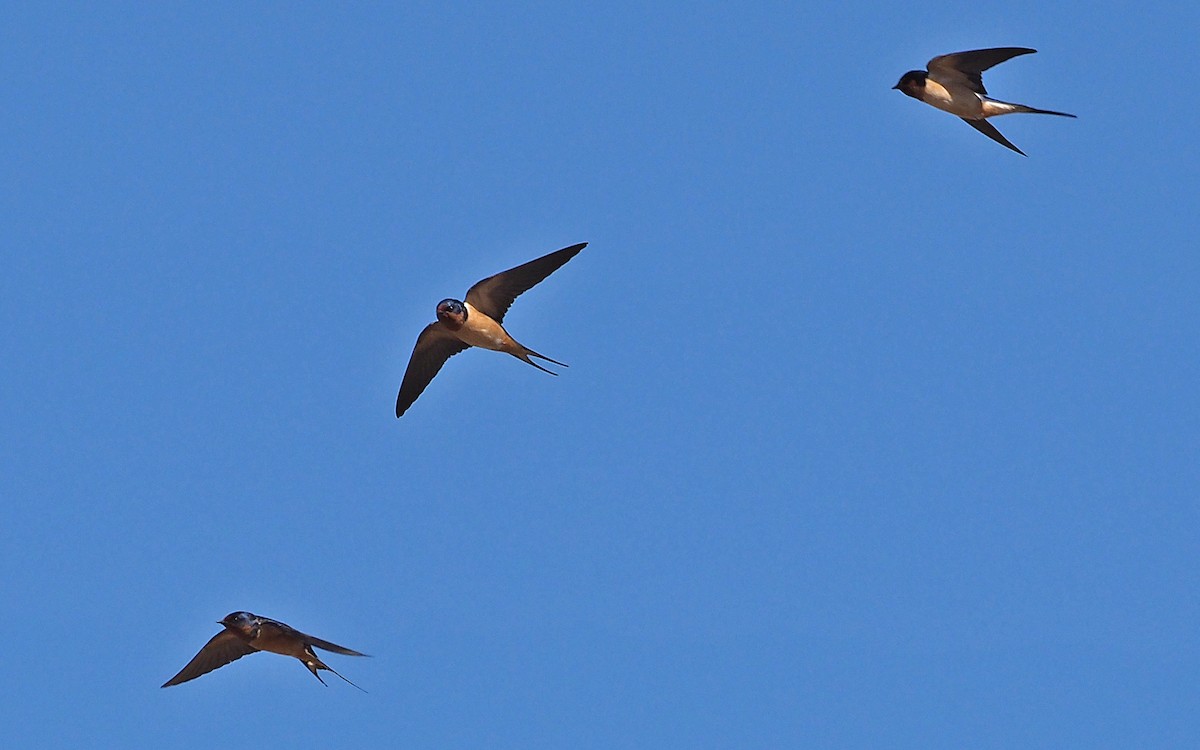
<point>896,86</point>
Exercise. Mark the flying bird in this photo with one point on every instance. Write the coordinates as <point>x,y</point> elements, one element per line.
<point>954,84</point>
<point>246,633</point>
<point>476,321</point>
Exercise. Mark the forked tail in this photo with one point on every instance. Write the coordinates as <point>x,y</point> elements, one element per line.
<point>1035,111</point>
<point>339,674</point>
<point>1030,110</point>
<point>525,355</point>
<point>313,666</point>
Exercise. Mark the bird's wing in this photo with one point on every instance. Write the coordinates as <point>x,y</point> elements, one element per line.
<point>967,66</point>
<point>988,129</point>
<point>332,647</point>
<point>221,649</point>
<point>435,345</point>
<point>495,294</point>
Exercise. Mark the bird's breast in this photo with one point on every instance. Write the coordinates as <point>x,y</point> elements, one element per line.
<point>480,330</point>
<point>277,642</point>
<point>957,100</point>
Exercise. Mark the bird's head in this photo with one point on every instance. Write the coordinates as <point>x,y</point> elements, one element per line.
<point>912,83</point>
<point>242,622</point>
<point>452,313</point>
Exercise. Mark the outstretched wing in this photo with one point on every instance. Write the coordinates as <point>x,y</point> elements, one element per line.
<point>495,294</point>
<point>221,649</point>
<point>966,67</point>
<point>332,647</point>
<point>435,345</point>
<point>988,129</point>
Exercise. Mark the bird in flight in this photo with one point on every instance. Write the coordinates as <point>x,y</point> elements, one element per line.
<point>954,84</point>
<point>476,321</point>
<point>246,633</point>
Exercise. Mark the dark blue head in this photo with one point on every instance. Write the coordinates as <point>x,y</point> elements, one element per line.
<point>240,621</point>
<point>912,83</point>
<point>452,313</point>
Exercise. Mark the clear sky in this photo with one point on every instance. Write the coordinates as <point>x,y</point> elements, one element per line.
<point>875,434</point>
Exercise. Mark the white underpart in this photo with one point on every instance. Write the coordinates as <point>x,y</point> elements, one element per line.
<point>957,100</point>
<point>992,107</point>
<point>481,331</point>
<point>482,339</point>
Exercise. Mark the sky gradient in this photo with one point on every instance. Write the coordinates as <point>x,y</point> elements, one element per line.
<point>875,434</point>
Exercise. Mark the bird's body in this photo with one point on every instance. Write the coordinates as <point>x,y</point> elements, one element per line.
<point>477,321</point>
<point>481,331</point>
<point>246,633</point>
<point>969,105</point>
<point>954,83</point>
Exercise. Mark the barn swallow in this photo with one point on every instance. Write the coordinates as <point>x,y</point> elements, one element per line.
<point>246,633</point>
<point>954,84</point>
<point>476,321</point>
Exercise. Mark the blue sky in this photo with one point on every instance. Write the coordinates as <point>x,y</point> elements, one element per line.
<point>875,434</point>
